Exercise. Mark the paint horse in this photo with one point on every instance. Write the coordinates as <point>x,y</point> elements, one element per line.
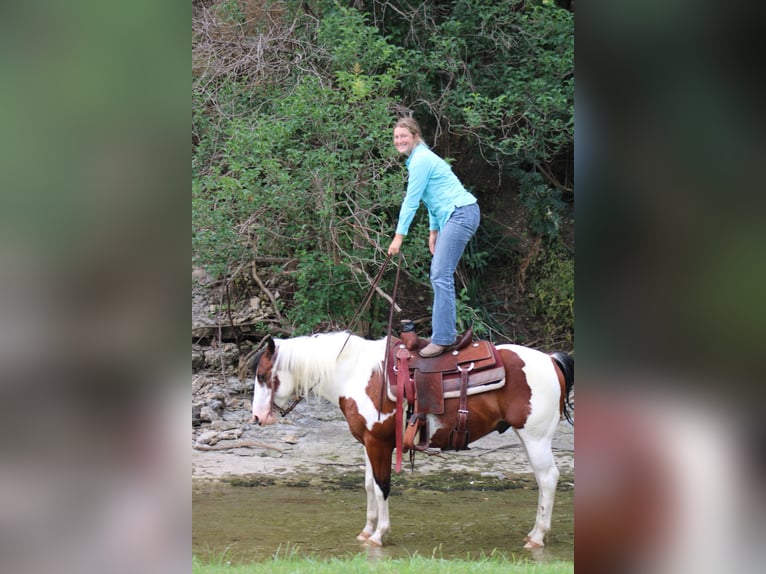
<point>348,370</point>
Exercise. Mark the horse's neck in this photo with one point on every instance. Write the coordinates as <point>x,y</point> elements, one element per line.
<point>331,374</point>
<point>302,382</point>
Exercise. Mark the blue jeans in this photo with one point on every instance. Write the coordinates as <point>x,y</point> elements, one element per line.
<point>450,244</point>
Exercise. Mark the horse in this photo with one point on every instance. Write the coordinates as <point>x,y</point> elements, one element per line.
<point>349,371</point>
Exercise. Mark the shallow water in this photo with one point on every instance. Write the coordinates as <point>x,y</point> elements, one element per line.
<point>253,523</point>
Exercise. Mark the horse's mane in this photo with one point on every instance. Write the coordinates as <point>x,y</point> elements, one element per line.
<point>314,359</point>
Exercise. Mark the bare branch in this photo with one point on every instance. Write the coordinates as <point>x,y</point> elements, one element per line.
<point>266,291</point>
<point>552,180</point>
<point>378,290</point>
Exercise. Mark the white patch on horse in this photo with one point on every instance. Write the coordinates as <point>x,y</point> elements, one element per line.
<point>331,365</point>
<point>537,433</point>
<point>434,424</point>
<point>544,386</point>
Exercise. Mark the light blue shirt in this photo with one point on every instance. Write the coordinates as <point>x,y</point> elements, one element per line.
<point>432,181</point>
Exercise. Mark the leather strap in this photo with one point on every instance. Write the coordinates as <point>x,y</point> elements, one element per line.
<point>460,434</point>
<point>402,377</point>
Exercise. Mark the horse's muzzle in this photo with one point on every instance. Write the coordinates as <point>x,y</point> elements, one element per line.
<point>268,419</point>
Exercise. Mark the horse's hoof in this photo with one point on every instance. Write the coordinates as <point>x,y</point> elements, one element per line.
<point>363,536</point>
<point>373,542</point>
<point>533,544</point>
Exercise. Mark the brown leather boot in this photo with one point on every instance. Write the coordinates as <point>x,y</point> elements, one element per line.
<point>408,335</point>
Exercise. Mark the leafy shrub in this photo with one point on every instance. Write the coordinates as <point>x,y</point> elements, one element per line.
<point>552,297</point>
<point>292,160</point>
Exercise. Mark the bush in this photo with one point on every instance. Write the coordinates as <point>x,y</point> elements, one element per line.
<point>552,298</point>
<point>293,104</point>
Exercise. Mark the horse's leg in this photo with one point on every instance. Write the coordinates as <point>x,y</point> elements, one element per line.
<point>543,465</point>
<point>379,460</point>
<point>372,504</point>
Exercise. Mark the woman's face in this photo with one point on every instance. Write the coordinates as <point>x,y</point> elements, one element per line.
<point>404,141</point>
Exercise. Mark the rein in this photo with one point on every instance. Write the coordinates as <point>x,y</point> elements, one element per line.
<point>368,299</point>
<point>388,334</point>
<point>363,306</point>
<point>370,293</point>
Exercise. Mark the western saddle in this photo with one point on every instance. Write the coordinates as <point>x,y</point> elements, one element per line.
<point>467,367</point>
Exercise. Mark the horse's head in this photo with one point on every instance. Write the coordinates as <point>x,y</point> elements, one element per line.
<point>265,386</point>
<point>271,390</point>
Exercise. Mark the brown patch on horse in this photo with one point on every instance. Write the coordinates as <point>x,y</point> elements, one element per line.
<point>484,414</point>
<point>516,389</point>
<point>375,391</point>
<point>378,442</point>
<point>356,423</point>
<point>263,363</point>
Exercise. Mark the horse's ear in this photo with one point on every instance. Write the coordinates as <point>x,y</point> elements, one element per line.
<point>270,345</point>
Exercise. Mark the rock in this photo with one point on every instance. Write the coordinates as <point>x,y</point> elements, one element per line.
<point>208,414</point>
<point>223,425</point>
<point>199,382</point>
<point>217,404</point>
<point>216,393</point>
<point>290,439</point>
<point>228,352</point>
<point>208,437</point>
<point>201,276</point>
<point>231,434</point>
<point>198,360</point>
<point>235,385</point>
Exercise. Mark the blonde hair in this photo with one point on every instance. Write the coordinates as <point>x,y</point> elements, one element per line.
<point>410,125</point>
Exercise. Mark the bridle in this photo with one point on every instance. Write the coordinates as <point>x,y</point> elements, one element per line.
<point>271,382</point>
<point>286,411</point>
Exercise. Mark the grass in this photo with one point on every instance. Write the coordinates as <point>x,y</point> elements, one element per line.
<point>294,564</point>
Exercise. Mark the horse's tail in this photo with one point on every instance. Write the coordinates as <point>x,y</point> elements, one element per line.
<point>565,363</point>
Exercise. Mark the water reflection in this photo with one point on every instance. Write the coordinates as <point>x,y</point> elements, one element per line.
<point>253,524</point>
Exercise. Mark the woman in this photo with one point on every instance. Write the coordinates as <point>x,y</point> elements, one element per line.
<point>453,215</point>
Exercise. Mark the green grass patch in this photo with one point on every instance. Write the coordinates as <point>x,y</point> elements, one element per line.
<point>294,564</point>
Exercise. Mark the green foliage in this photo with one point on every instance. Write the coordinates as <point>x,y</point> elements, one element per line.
<point>544,208</point>
<point>308,176</point>
<point>325,292</point>
<point>552,297</point>
<point>293,104</point>
<point>501,75</point>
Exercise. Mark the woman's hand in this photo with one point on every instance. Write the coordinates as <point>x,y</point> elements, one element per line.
<point>396,245</point>
<point>432,235</point>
